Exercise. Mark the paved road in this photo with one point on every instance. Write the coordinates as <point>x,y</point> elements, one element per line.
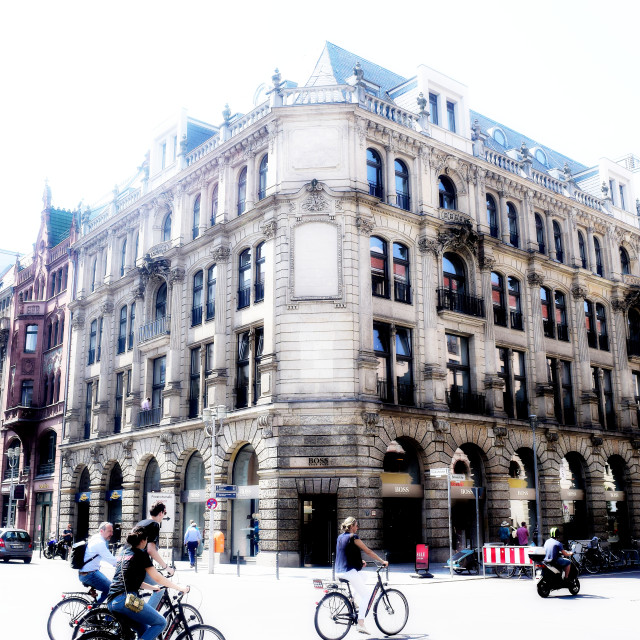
<point>257,606</point>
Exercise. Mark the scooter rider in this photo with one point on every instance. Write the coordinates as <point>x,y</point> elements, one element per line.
<point>555,551</point>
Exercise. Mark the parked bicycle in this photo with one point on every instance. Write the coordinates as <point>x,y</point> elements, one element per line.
<point>336,611</point>
<point>65,614</point>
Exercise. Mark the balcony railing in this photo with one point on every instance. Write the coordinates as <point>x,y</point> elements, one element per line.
<point>122,344</point>
<point>375,190</point>
<point>461,402</point>
<point>406,394</point>
<point>211,310</point>
<point>403,201</point>
<point>603,342</point>
<point>592,339</point>
<point>242,396</point>
<point>633,347</point>
<point>385,393</point>
<point>517,322</point>
<point>500,316</point>
<point>149,417</point>
<point>45,469</point>
<point>259,292</point>
<point>244,297</point>
<point>379,287</point>
<point>461,303</point>
<point>152,330</point>
<point>563,332</point>
<point>548,328</point>
<point>196,316</point>
<point>402,292</point>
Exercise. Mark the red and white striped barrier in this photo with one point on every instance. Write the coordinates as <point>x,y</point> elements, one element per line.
<point>512,556</point>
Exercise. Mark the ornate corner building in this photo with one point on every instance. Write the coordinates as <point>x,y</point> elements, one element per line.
<point>375,282</point>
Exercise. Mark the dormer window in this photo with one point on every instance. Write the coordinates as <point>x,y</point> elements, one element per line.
<point>499,137</point>
<point>541,157</point>
<point>433,108</point>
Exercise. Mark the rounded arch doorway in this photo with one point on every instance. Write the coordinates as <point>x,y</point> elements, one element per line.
<point>245,533</point>
<point>522,491</point>
<point>194,498</point>
<point>151,484</point>
<point>615,486</point>
<point>114,503</point>
<point>574,500</point>
<point>83,498</point>
<point>402,501</point>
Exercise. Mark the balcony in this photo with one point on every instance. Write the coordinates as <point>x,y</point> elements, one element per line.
<point>196,316</point>
<point>22,413</point>
<point>517,322</point>
<point>403,201</point>
<point>500,316</point>
<point>461,402</point>
<point>563,332</point>
<point>402,292</point>
<point>633,347</point>
<point>549,329</point>
<point>45,469</point>
<point>159,327</point>
<point>375,190</point>
<point>452,301</point>
<point>211,310</point>
<point>244,297</point>
<point>149,417</point>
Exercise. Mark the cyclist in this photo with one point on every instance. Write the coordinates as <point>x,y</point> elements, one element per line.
<point>555,552</point>
<point>152,528</point>
<point>135,569</point>
<point>349,563</point>
<point>95,552</point>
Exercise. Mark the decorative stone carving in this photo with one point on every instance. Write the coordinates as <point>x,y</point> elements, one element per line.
<point>66,459</point>
<point>138,292</point>
<point>77,322</point>
<point>457,236</point>
<point>315,202</point>
<point>579,292</point>
<point>28,366</point>
<point>635,443</point>
<point>220,254</point>
<point>370,420</point>
<point>94,453</point>
<point>176,275</point>
<point>365,225</point>
<point>265,422</point>
<point>499,433</point>
<point>127,448</point>
<point>159,249</point>
<point>551,436</point>
<point>535,279</point>
<point>166,439</point>
<point>596,441</point>
<point>107,307</point>
<point>428,245</point>
<point>153,268</point>
<point>487,263</point>
<point>441,426</point>
<point>269,228</point>
<point>619,304</point>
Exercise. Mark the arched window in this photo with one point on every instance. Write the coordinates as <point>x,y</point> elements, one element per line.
<point>624,262</point>
<point>55,332</point>
<point>196,218</point>
<point>151,484</point>
<point>194,482</point>
<point>161,301</point>
<point>453,273</point>
<point>114,500</point>
<point>214,205</point>
<point>497,297</point>
<point>46,454</point>
<point>601,327</point>
<point>196,304</point>
<point>242,191</point>
<point>401,285</point>
<point>122,330</point>
<point>262,177</point>
<point>132,325</point>
<point>94,269</point>
<point>547,312</point>
<point>211,291</point>
<point>557,241</point>
<point>244,279</point>
<point>447,193</point>
<point>598,252</point>
<point>540,234</point>
<point>492,217</point>
<point>583,250</point>
<point>515,310</point>
<point>50,339</point>
<point>123,257</point>
<point>379,270</point>
<point>260,274</point>
<point>402,185</point>
<point>166,228</point>
<point>93,333</point>
<point>453,296</point>
<point>374,173</point>
<point>512,216</point>
<point>561,316</point>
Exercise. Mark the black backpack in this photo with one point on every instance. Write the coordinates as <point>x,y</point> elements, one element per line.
<point>77,555</point>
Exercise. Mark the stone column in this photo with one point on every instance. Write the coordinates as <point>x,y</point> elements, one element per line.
<point>551,245</point>
<point>504,219</point>
<point>79,273</point>
<point>111,260</point>
<point>391,175</point>
<point>218,384</point>
<point>172,393</point>
<point>621,369</point>
<point>481,201</point>
<point>592,250</point>
<point>226,195</point>
<point>75,397</point>
<point>252,187</point>
<point>530,222</point>
<point>101,410</point>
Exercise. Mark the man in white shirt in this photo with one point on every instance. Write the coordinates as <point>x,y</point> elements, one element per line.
<point>96,552</point>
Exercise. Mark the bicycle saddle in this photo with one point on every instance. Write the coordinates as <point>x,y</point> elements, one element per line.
<point>343,580</point>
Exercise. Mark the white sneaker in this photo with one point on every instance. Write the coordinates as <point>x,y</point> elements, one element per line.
<point>363,629</point>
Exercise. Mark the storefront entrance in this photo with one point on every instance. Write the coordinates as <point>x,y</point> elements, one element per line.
<point>42,520</point>
<point>574,503</point>
<point>113,497</point>
<point>319,529</point>
<point>83,498</point>
<point>245,525</point>
<point>522,491</point>
<point>618,532</point>
<point>194,499</point>
<point>467,514</point>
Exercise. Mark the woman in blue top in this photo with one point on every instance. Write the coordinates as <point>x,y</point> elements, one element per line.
<point>349,563</point>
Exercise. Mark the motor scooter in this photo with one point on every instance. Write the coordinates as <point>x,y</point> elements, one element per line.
<point>55,548</point>
<point>550,578</point>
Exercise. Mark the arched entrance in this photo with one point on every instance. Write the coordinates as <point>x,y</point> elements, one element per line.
<point>615,487</point>
<point>467,521</point>
<point>114,502</point>
<point>574,499</point>
<point>194,497</point>
<point>522,491</point>
<point>83,498</point>
<point>402,501</point>
<point>244,526</point>
<point>151,485</point>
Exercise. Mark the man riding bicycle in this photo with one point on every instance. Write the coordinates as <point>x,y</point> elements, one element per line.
<point>97,551</point>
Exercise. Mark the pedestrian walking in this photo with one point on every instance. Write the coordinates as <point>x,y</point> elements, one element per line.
<point>523,534</point>
<point>504,532</point>
<point>96,552</point>
<point>192,539</point>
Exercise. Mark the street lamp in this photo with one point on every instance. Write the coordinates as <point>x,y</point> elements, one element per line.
<point>13,457</point>
<point>209,417</point>
<point>533,421</point>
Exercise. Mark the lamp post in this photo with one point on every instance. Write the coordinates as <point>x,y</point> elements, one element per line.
<point>209,417</point>
<point>13,457</point>
<point>533,421</point>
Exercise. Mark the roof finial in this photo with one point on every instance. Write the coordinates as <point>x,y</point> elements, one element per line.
<point>226,113</point>
<point>276,78</point>
<point>358,73</point>
<point>46,196</point>
<point>422,103</point>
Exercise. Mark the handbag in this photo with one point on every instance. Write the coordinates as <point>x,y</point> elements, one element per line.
<point>133,603</point>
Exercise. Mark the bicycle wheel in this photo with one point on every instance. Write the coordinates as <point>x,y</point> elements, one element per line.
<point>47,553</point>
<point>64,617</point>
<point>591,565</point>
<point>191,614</point>
<point>391,612</point>
<point>98,619</point>
<point>504,571</point>
<point>99,634</point>
<point>334,616</point>
<point>201,632</point>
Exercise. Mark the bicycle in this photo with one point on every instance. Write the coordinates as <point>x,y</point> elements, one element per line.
<point>117,627</point>
<point>336,611</point>
<point>66,613</point>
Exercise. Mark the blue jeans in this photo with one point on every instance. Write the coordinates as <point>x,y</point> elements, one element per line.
<point>99,581</point>
<point>154,600</point>
<point>148,622</point>
<point>192,547</point>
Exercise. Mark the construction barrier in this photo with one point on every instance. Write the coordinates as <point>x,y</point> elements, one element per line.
<point>510,556</point>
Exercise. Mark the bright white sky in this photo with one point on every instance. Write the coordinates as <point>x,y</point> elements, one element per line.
<point>84,83</point>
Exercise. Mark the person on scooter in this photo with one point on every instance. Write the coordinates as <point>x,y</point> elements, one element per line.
<point>555,551</point>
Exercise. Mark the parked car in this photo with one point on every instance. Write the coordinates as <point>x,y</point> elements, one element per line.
<point>15,543</point>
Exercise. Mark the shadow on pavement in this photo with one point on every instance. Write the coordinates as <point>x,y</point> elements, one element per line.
<point>583,596</point>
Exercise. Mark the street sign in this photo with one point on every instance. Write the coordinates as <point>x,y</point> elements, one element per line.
<point>212,503</point>
<point>169,521</point>
<point>441,472</point>
<point>458,477</point>
<point>229,491</point>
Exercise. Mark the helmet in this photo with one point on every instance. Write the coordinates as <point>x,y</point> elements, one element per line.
<point>554,532</point>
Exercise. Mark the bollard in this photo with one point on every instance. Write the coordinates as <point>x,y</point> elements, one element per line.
<point>238,561</point>
<point>277,565</point>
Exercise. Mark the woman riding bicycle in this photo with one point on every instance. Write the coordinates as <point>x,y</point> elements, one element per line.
<point>134,565</point>
<point>349,563</point>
